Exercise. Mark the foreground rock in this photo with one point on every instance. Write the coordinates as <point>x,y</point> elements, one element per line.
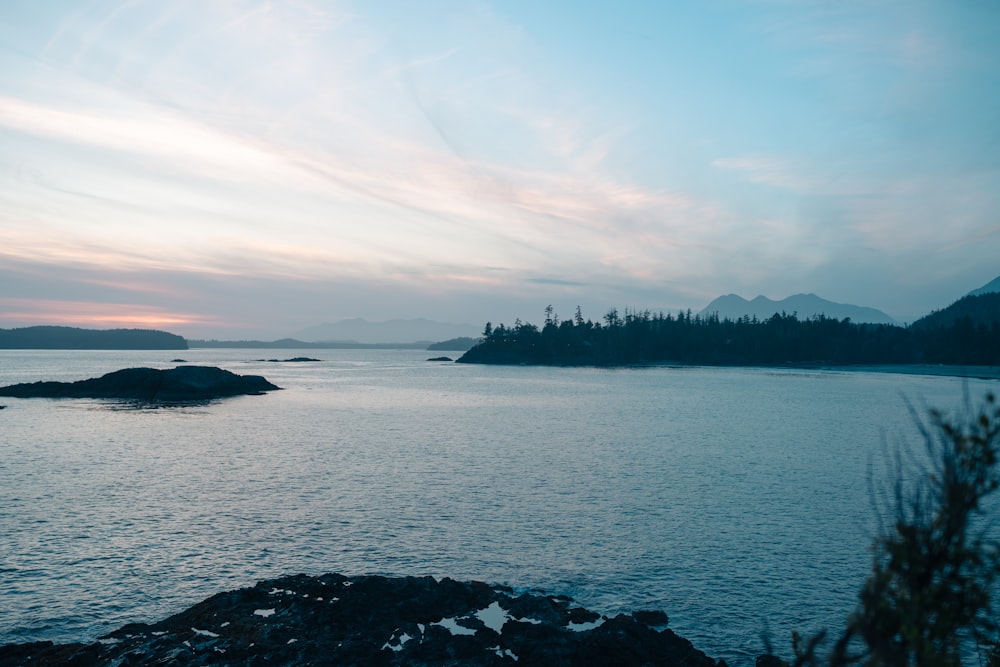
<point>180,384</point>
<point>371,620</point>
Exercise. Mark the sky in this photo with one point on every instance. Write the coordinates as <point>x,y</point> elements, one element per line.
<point>245,169</point>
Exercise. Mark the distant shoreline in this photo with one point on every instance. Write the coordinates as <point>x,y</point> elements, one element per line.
<point>977,372</point>
<point>938,370</point>
<point>291,344</point>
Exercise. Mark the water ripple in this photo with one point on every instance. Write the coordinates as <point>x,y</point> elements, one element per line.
<point>734,500</point>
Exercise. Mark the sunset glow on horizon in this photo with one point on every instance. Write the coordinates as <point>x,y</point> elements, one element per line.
<point>97,315</point>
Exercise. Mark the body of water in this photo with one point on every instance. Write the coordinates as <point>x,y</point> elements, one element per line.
<point>737,500</point>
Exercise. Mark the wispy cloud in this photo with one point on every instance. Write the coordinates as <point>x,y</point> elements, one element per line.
<point>556,281</point>
<point>423,61</point>
<point>779,172</point>
<point>806,175</point>
<point>311,143</point>
<point>467,197</point>
<point>152,133</point>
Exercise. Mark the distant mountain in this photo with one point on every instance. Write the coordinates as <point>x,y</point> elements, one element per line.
<point>72,338</point>
<point>992,286</point>
<point>733,307</point>
<point>360,330</point>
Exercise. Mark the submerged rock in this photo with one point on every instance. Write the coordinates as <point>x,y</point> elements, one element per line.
<point>183,383</point>
<point>373,620</point>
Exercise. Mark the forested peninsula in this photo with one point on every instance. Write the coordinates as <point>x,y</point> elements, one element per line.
<point>73,338</point>
<point>965,333</point>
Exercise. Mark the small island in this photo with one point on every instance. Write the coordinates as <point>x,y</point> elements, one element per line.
<point>180,384</point>
<point>375,620</point>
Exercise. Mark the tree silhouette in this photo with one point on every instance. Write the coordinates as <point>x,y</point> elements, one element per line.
<point>638,337</point>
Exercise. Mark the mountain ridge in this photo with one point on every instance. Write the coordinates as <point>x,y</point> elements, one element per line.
<point>992,286</point>
<point>733,307</point>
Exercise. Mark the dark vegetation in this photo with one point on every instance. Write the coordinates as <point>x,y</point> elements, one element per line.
<point>928,600</point>
<point>72,338</point>
<point>965,333</point>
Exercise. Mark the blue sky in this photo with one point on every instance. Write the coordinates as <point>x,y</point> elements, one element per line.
<point>237,168</point>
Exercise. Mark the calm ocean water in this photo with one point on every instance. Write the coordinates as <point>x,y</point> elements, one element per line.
<point>736,500</point>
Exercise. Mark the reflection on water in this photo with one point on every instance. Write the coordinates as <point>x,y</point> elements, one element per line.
<point>737,500</point>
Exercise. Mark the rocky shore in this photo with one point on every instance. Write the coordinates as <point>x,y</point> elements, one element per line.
<point>372,620</point>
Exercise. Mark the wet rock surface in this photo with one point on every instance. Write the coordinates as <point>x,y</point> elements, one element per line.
<point>372,620</point>
<point>180,384</point>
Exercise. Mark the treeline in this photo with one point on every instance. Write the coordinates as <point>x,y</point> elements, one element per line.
<point>638,337</point>
<point>72,338</point>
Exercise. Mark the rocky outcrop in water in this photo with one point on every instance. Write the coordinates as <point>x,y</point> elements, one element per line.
<point>372,620</point>
<point>180,384</point>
